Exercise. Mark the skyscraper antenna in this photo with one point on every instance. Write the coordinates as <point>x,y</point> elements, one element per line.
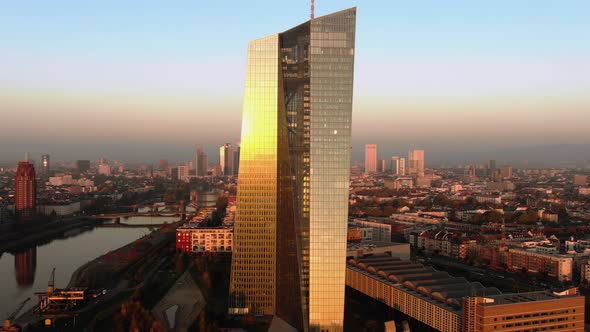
<point>312,9</point>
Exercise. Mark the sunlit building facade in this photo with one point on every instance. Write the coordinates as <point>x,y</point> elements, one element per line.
<point>25,190</point>
<point>370,158</point>
<point>416,161</point>
<point>292,204</point>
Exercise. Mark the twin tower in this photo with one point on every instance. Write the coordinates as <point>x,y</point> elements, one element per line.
<point>292,207</point>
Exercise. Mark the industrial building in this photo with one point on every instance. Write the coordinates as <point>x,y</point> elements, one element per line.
<point>451,304</point>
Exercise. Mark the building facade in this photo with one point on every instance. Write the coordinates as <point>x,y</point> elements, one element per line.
<point>402,167</point>
<point>45,165</point>
<point>183,173</point>
<point>370,158</point>
<point>226,159</point>
<point>292,203</point>
<point>395,169</point>
<point>452,304</point>
<point>201,162</point>
<point>416,162</point>
<point>25,190</point>
<point>204,239</point>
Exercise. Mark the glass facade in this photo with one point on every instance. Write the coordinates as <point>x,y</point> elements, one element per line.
<point>331,67</point>
<point>290,232</point>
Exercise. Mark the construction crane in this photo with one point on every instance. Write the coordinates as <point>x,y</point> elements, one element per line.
<point>312,9</point>
<point>51,283</point>
<point>7,325</point>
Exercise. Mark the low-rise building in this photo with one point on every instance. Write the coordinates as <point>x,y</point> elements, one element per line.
<point>379,231</point>
<point>553,265</point>
<point>452,304</point>
<point>194,239</point>
<point>585,273</point>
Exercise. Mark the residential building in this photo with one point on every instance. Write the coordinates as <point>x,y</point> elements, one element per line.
<point>380,231</point>
<point>204,239</point>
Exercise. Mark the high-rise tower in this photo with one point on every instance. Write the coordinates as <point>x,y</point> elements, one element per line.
<point>45,166</point>
<point>201,162</point>
<point>226,159</point>
<point>416,162</point>
<point>25,190</point>
<point>292,207</point>
<point>370,158</point>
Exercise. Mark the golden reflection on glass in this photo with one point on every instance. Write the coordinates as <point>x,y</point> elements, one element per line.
<point>292,206</point>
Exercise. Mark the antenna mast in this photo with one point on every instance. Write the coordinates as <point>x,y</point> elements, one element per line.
<point>312,9</point>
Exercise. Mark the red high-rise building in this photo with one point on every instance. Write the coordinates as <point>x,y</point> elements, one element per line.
<point>25,195</point>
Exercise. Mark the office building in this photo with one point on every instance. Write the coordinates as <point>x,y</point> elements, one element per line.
<point>382,165</point>
<point>236,160</point>
<point>45,167</point>
<point>402,167</point>
<point>395,165</point>
<point>491,167</point>
<point>83,165</point>
<point>202,162</point>
<point>183,173</point>
<point>416,163</point>
<point>226,159</point>
<point>25,190</point>
<point>370,158</point>
<point>292,203</point>
<point>506,171</point>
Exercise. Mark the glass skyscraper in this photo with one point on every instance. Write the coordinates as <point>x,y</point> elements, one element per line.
<point>292,206</point>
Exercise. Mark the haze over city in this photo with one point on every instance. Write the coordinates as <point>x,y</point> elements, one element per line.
<point>309,166</point>
<point>463,80</point>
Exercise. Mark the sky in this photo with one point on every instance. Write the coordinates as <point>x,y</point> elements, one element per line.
<point>135,80</point>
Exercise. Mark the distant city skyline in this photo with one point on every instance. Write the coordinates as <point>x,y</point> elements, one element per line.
<point>131,76</point>
<point>556,155</point>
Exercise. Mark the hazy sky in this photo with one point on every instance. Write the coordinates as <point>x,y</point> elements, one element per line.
<point>79,79</point>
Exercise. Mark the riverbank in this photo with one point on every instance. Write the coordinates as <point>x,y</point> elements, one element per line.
<point>125,263</point>
<point>120,272</point>
<point>23,237</point>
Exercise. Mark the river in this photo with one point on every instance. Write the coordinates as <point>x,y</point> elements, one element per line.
<point>27,272</point>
